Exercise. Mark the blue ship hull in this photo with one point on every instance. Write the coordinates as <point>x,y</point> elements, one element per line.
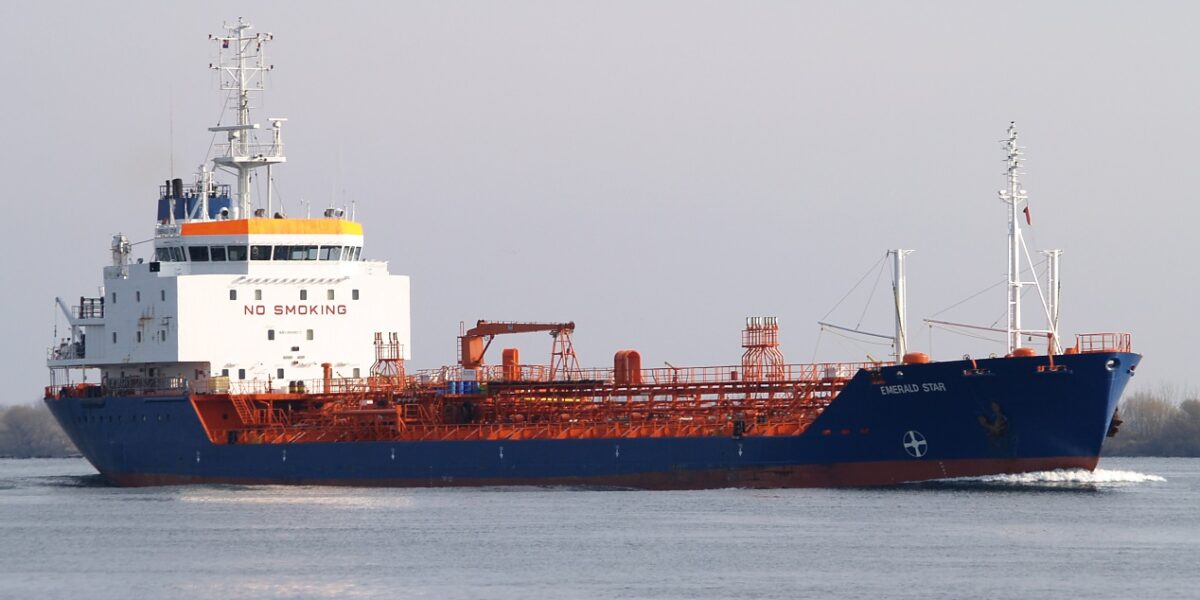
<point>906,423</point>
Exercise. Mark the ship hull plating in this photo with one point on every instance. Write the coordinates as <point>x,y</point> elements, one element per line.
<point>903,423</point>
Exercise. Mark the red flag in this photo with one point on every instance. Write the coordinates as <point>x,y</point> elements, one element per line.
<point>1028,220</point>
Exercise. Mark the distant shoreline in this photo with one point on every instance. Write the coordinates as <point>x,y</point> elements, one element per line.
<point>30,431</point>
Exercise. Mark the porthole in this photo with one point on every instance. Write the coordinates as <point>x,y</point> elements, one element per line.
<point>1112,364</point>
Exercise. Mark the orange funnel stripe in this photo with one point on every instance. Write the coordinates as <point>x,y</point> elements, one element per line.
<point>273,226</point>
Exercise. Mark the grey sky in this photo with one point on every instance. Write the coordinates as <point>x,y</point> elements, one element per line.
<point>655,171</point>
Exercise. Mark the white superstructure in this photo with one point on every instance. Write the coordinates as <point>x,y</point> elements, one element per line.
<point>231,290</point>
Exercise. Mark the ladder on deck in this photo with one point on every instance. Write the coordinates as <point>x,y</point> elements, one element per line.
<point>244,412</point>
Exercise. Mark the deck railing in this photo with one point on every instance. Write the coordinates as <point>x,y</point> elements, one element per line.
<point>145,386</point>
<point>656,376</point>
<point>1104,342</point>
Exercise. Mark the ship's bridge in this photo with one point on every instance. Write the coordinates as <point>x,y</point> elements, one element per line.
<point>260,240</point>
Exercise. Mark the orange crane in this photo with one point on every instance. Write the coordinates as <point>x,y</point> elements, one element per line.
<point>475,342</point>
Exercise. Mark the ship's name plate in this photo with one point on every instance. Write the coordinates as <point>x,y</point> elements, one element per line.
<point>912,388</point>
<point>294,309</point>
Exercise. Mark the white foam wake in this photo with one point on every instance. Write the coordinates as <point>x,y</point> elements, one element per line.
<point>1070,477</point>
<point>294,496</point>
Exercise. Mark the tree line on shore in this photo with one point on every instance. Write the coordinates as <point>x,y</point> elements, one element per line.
<point>1157,424</point>
<point>30,431</point>
<point>1154,424</point>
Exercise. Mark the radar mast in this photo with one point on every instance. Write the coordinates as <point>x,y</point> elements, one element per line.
<point>1014,196</point>
<point>242,66</point>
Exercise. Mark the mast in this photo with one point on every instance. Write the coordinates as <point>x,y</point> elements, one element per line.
<point>1054,287</point>
<point>1014,196</point>
<point>900,296</point>
<point>242,64</point>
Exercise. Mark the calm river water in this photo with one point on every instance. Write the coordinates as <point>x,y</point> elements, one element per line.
<point>1130,530</point>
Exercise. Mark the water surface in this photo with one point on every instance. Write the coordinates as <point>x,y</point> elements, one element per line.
<point>1132,529</point>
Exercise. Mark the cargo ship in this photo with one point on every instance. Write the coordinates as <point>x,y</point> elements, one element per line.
<point>252,347</point>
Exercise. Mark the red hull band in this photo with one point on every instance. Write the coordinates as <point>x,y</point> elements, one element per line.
<point>800,476</point>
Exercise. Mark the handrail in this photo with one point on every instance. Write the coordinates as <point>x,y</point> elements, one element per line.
<point>1104,342</point>
<point>144,385</point>
<point>660,375</point>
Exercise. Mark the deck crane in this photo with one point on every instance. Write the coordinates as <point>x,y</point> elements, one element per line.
<point>475,341</point>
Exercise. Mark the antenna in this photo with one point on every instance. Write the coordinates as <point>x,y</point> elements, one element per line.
<point>243,67</point>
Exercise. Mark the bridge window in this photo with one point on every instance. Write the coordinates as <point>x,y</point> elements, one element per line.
<point>237,253</point>
<point>283,253</point>
<point>177,254</point>
<point>331,252</point>
<point>233,294</point>
<point>198,253</point>
<point>260,253</point>
<point>162,254</point>
<point>304,253</point>
<point>217,253</point>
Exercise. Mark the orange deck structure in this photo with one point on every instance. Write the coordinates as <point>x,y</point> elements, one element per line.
<point>702,401</point>
<point>472,401</point>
